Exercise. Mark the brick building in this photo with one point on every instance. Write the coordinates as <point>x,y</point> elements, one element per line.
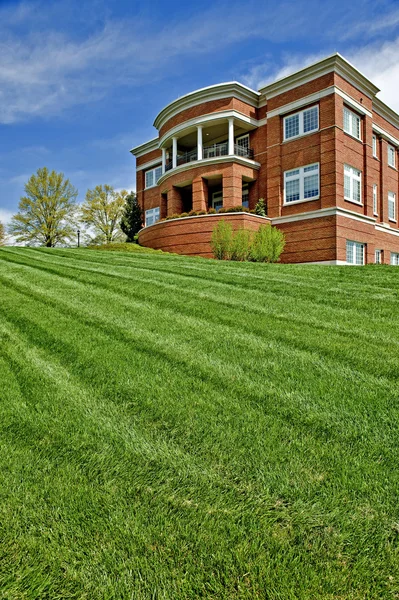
<point>318,146</point>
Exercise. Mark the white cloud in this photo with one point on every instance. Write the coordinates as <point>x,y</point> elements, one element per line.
<point>47,70</point>
<point>377,61</point>
<point>5,216</point>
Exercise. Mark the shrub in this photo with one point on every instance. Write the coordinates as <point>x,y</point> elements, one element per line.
<point>221,240</point>
<point>183,215</point>
<point>241,245</point>
<point>268,244</point>
<point>192,213</point>
<point>211,211</point>
<point>201,212</point>
<point>261,208</point>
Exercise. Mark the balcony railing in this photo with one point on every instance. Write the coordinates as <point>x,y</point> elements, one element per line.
<point>212,151</point>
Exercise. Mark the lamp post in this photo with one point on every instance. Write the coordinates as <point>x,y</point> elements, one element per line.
<point>78,232</point>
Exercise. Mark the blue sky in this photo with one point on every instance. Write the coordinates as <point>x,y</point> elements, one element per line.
<point>81,82</point>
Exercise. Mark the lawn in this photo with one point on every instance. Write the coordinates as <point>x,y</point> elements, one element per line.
<point>180,428</point>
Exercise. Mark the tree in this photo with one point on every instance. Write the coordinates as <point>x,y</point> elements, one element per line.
<point>2,234</point>
<point>132,218</point>
<point>46,213</point>
<point>102,210</point>
<point>260,208</point>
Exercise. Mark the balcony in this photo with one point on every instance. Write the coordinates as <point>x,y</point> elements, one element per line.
<point>212,151</point>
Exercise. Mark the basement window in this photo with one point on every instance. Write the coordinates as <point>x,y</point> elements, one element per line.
<point>354,253</point>
<point>395,259</point>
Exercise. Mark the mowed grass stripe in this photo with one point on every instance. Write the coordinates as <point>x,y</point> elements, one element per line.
<point>298,495</point>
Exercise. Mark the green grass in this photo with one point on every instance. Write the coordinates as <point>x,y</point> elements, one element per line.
<point>176,428</point>
<point>126,247</point>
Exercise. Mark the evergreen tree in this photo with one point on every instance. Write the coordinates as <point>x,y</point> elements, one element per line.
<point>132,218</point>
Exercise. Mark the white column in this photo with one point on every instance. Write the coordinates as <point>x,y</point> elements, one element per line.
<point>174,153</point>
<point>231,136</point>
<point>163,160</point>
<point>199,142</point>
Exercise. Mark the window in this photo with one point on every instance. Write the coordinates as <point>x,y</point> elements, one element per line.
<point>391,206</point>
<point>391,156</point>
<point>301,123</point>
<point>375,199</point>
<point>242,144</point>
<point>395,259</point>
<point>378,257</point>
<point>352,184</point>
<point>354,253</point>
<point>245,195</point>
<point>151,177</point>
<point>375,153</point>
<point>217,200</point>
<point>352,123</point>
<point>301,184</point>
<point>152,216</point>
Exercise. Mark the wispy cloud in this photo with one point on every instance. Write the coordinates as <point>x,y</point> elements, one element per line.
<point>5,216</point>
<point>48,70</point>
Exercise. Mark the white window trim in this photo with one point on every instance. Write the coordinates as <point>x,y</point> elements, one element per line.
<point>379,252</point>
<point>390,195</point>
<point>394,256</point>
<point>153,212</point>
<point>354,264</point>
<point>154,178</point>
<point>353,116</point>
<point>375,200</point>
<point>375,146</point>
<point>301,132</point>
<point>241,137</point>
<point>351,185</point>
<point>390,147</point>
<point>301,177</point>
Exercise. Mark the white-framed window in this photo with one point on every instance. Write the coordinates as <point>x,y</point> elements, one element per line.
<point>378,257</point>
<point>375,199</point>
<point>243,145</point>
<point>302,184</point>
<point>301,123</point>
<point>391,156</point>
<point>352,184</point>
<point>375,151</point>
<point>152,176</point>
<point>245,195</point>
<point>391,206</point>
<point>352,123</point>
<point>395,259</point>
<point>152,216</point>
<point>354,253</point>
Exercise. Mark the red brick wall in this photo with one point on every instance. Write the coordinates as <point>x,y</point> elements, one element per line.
<point>192,235</point>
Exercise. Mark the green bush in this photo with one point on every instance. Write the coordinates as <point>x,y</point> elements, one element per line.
<point>201,212</point>
<point>192,213</point>
<point>211,211</point>
<point>261,208</point>
<point>221,240</point>
<point>241,245</point>
<point>267,245</point>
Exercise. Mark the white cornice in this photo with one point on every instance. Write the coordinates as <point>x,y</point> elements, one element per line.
<point>386,229</point>
<point>384,134</point>
<point>247,162</point>
<point>150,164</point>
<point>145,148</point>
<point>335,63</point>
<point>208,118</point>
<point>387,113</point>
<point>207,94</point>
<point>324,212</point>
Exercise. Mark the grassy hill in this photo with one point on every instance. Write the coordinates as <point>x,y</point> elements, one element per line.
<point>175,428</point>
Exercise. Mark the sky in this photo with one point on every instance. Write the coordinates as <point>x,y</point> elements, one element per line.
<point>81,82</point>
